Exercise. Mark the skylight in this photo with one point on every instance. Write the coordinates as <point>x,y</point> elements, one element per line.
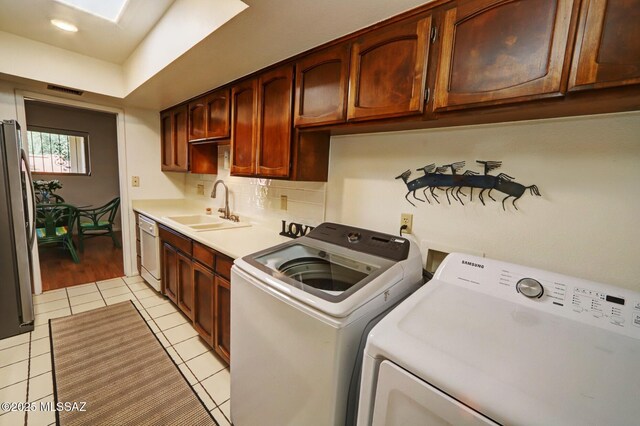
<point>110,10</point>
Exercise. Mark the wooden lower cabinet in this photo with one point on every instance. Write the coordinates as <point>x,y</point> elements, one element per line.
<point>203,288</point>
<point>185,285</point>
<point>222,297</point>
<point>169,271</point>
<point>196,279</point>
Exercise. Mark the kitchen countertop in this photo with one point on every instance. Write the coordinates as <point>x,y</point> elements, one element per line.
<point>234,242</point>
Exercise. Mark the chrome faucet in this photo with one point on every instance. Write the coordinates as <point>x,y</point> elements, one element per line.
<point>226,213</point>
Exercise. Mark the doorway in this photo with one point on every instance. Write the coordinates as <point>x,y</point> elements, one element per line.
<point>74,158</point>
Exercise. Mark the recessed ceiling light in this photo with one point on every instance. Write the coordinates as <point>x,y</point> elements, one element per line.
<point>64,25</point>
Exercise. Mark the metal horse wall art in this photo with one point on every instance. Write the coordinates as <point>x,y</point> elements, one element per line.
<point>448,179</point>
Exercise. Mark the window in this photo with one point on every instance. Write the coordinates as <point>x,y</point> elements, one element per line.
<point>55,151</point>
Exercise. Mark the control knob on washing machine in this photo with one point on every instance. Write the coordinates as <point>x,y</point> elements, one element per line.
<point>353,237</point>
<point>530,288</point>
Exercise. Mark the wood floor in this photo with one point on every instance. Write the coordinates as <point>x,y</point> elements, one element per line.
<point>99,261</point>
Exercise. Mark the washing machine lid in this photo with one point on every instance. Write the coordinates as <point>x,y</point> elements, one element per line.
<point>470,334</point>
<point>321,271</point>
<point>335,269</point>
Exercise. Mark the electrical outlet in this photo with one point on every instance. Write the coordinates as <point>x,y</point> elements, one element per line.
<point>200,189</point>
<point>406,219</point>
<point>283,202</point>
<point>135,181</point>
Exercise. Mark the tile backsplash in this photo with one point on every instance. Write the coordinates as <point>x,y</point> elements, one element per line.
<point>260,199</point>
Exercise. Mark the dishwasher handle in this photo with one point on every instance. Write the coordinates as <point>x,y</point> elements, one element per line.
<point>147,225</point>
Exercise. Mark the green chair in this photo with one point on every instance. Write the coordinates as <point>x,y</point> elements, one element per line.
<point>54,223</point>
<point>97,222</point>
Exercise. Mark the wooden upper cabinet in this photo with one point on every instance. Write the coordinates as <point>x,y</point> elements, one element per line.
<point>209,116</point>
<point>275,100</point>
<point>181,157</point>
<point>607,50</point>
<point>174,139</point>
<point>166,132</point>
<point>321,87</point>
<point>197,119</point>
<point>244,105</point>
<point>217,119</point>
<point>501,51</point>
<point>388,70</point>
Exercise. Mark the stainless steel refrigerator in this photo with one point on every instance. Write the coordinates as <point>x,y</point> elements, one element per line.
<point>17,233</point>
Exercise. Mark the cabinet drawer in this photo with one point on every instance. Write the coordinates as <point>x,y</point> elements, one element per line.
<point>204,255</point>
<point>178,241</point>
<point>223,266</point>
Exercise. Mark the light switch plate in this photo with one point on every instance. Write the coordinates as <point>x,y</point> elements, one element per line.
<point>283,202</point>
<point>200,189</point>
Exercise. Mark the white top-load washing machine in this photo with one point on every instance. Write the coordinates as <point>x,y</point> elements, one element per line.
<point>490,342</point>
<point>298,311</point>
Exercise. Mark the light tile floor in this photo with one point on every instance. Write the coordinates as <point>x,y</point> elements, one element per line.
<point>25,360</point>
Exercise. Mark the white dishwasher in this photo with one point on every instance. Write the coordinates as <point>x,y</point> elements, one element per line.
<point>149,251</point>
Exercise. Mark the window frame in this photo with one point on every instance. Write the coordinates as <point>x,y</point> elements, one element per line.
<point>66,132</point>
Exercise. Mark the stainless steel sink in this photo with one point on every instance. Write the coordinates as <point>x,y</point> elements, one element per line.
<point>200,222</point>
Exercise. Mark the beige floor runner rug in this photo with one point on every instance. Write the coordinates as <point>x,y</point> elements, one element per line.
<point>110,363</point>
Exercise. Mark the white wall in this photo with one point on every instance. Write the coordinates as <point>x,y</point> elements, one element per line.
<point>142,133</point>
<point>587,170</point>
<point>7,102</point>
<point>43,62</point>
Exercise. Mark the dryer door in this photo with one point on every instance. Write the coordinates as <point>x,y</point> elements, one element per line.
<point>404,399</point>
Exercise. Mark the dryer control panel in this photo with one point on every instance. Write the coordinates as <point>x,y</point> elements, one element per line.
<point>612,308</point>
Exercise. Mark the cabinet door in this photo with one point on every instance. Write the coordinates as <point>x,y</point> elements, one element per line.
<point>198,119</point>
<point>607,51</point>
<point>170,272</point>
<point>203,302</point>
<point>218,114</point>
<point>321,87</point>
<point>501,51</point>
<point>185,285</point>
<point>275,98</point>
<point>388,71</point>
<point>222,298</point>
<point>180,139</point>
<point>244,105</point>
<point>166,139</point>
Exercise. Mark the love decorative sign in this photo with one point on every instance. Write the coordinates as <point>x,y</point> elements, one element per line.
<point>294,230</point>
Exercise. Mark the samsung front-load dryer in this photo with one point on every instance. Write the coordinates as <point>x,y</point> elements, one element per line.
<point>298,311</point>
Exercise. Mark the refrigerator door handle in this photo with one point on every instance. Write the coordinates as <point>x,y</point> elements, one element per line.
<point>32,213</point>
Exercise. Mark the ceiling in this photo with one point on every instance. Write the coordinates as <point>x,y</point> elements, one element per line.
<point>96,37</point>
